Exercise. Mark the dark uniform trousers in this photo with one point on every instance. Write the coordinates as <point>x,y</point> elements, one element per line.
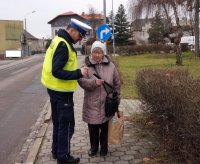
<point>98,133</point>
<point>62,108</point>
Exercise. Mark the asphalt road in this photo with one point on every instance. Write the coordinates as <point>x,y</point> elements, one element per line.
<point>22,98</point>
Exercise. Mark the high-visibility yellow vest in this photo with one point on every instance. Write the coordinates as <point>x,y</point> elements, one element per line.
<point>51,82</point>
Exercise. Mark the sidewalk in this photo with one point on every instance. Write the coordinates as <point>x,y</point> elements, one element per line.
<point>132,151</point>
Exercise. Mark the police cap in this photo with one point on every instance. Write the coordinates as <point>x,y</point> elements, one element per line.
<point>81,27</point>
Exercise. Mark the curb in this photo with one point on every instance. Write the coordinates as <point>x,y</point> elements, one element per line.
<point>32,155</point>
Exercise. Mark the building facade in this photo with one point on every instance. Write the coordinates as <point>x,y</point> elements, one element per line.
<point>139,30</point>
<point>10,32</point>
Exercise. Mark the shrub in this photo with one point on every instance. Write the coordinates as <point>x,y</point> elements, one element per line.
<point>137,49</point>
<point>141,49</point>
<point>173,99</point>
<point>131,42</point>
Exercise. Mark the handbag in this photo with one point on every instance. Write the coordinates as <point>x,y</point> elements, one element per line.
<point>111,104</point>
<point>112,100</point>
<point>116,128</point>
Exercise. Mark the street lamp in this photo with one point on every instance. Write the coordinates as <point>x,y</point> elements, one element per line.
<point>25,18</point>
<point>24,47</point>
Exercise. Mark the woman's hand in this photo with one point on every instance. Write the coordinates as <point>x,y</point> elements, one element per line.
<point>99,81</point>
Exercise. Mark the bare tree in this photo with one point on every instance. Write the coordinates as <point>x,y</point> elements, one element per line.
<point>171,9</point>
<point>92,18</point>
<point>193,8</point>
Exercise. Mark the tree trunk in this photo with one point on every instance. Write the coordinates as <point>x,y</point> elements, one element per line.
<point>179,32</point>
<point>179,60</point>
<point>196,28</point>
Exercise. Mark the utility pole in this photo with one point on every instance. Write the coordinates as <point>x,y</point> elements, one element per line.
<point>113,31</point>
<point>104,9</point>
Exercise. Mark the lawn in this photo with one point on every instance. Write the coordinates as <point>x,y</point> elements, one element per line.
<point>129,65</point>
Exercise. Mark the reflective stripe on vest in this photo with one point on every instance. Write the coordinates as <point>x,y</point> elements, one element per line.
<point>51,82</point>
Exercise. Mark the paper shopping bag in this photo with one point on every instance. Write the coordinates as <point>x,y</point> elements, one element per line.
<point>116,128</point>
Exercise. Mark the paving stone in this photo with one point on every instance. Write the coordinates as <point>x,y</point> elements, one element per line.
<point>105,162</point>
<point>121,162</point>
<point>118,153</point>
<point>81,144</point>
<point>111,158</point>
<point>46,159</point>
<point>145,151</point>
<point>136,147</point>
<point>96,159</point>
<point>45,151</point>
<point>127,157</point>
<point>84,160</point>
<point>49,162</point>
<point>137,161</point>
<point>133,152</point>
<point>123,148</point>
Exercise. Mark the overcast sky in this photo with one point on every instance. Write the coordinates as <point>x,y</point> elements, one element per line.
<point>46,10</point>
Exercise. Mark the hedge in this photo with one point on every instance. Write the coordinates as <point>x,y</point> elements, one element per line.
<point>173,100</point>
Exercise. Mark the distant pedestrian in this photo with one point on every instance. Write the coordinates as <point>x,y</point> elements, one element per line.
<point>59,76</point>
<point>94,96</point>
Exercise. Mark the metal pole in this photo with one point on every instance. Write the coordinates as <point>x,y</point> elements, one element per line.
<point>25,23</point>
<point>113,35</point>
<point>104,7</point>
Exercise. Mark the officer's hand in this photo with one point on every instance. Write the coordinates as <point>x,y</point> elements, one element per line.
<point>84,70</point>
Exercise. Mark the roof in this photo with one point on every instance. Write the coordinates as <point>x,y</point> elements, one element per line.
<point>30,36</point>
<point>70,13</point>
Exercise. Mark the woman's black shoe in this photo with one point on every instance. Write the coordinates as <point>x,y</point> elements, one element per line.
<point>103,153</point>
<point>92,153</point>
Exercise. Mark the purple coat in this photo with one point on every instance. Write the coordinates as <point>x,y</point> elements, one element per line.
<point>94,95</point>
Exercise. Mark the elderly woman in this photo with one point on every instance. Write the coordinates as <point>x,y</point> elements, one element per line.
<point>95,95</point>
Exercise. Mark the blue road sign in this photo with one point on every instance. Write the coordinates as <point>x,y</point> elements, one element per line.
<point>103,32</point>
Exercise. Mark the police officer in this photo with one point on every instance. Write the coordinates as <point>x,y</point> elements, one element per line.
<point>59,76</point>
